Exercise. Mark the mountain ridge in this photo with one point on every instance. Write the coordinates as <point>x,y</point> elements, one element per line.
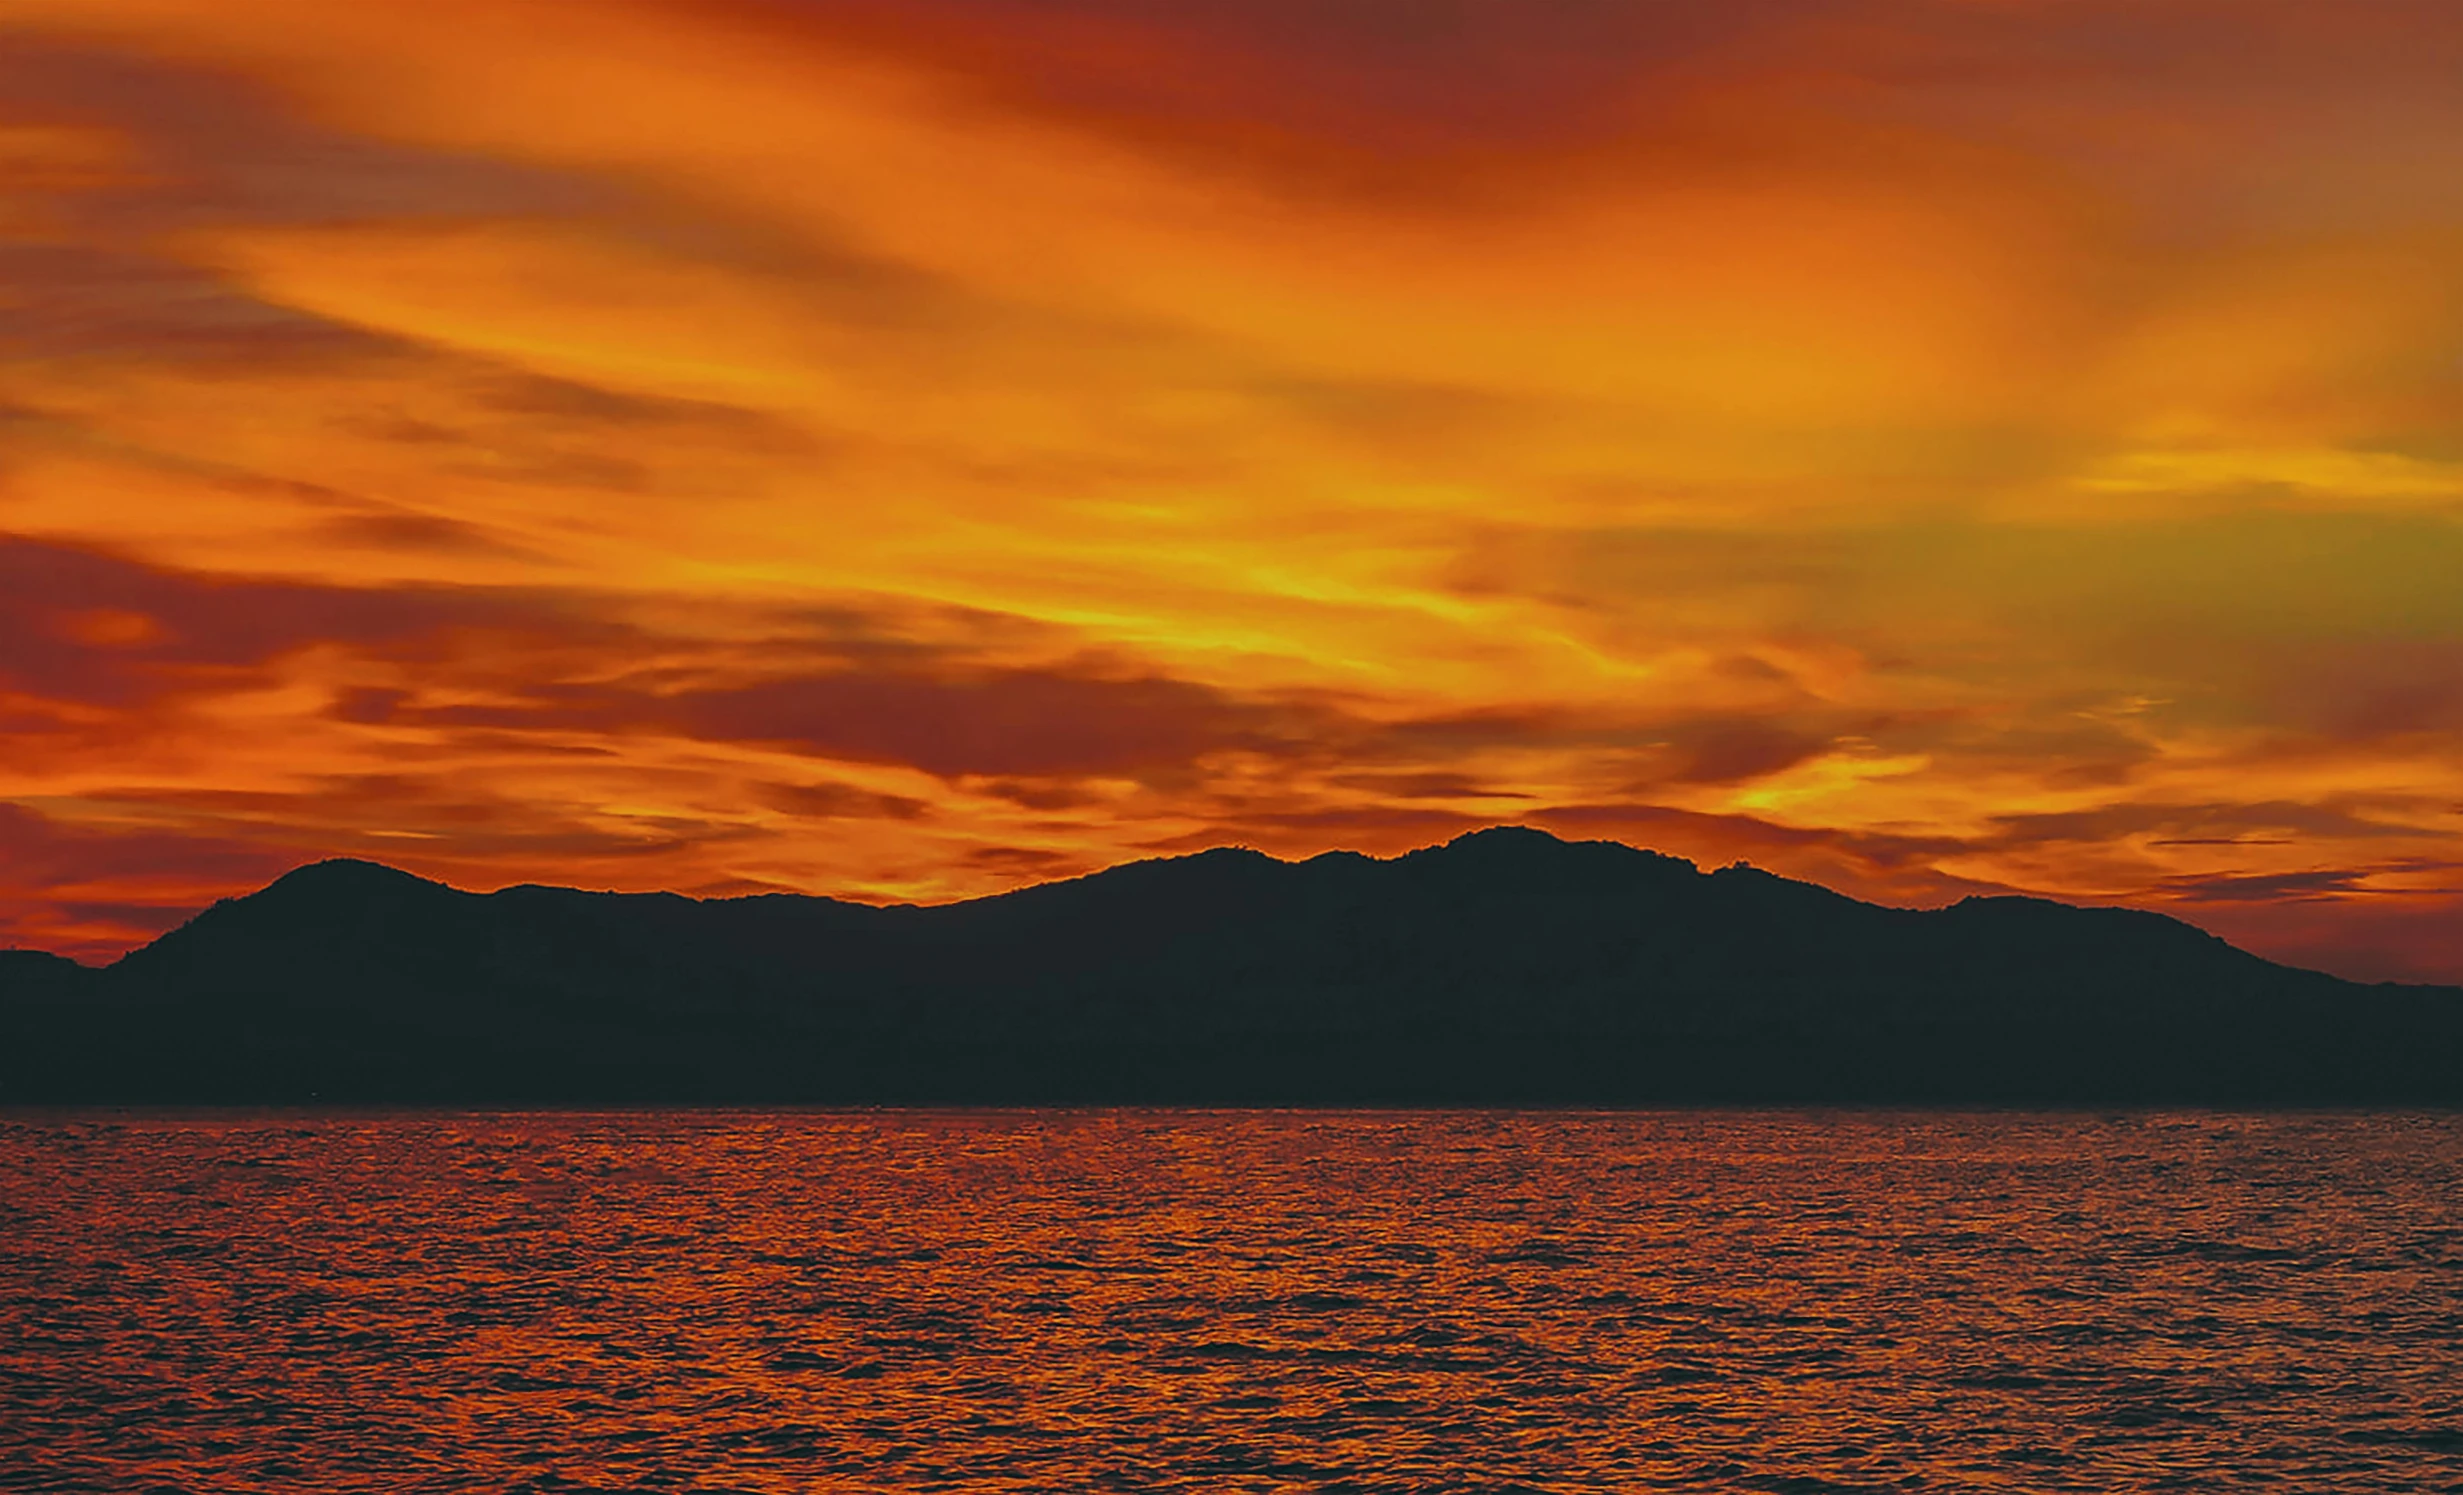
<point>1505,966</point>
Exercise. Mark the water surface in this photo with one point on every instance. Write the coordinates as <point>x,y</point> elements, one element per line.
<point>1230,1302</point>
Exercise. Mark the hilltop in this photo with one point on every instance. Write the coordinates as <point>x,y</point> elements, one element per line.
<point>1505,967</point>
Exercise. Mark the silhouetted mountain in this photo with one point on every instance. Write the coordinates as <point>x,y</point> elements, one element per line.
<point>31,973</point>
<point>1505,967</point>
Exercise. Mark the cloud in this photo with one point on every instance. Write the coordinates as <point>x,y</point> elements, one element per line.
<point>92,891</point>
<point>1433,784</point>
<point>74,303</point>
<point>829,801</point>
<point>1299,86</point>
<point>1034,862</point>
<point>888,449</point>
<point>2381,938</point>
<point>196,147</point>
<point>1724,752</point>
<point>2397,879</point>
<point>2266,887</point>
<point>1893,867</point>
<point>90,628</point>
<point>1028,722</point>
<point>2215,823</point>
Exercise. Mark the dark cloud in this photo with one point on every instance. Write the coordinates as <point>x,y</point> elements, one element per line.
<point>45,852</point>
<point>1042,794</point>
<point>208,153</point>
<point>368,705</point>
<point>1746,835</point>
<point>85,626</point>
<point>826,801</point>
<point>469,829</point>
<point>1461,731</point>
<point>2265,887</point>
<point>2260,822</point>
<point>92,890</point>
<point>1717,747</point>
<point>81,301</point>
<point>1388,73</point>
<point>213,152</point>
<point>1729,750</point>
<point>1032,730</point>
<point>2367,690</point>
<point>2319,883</point>
<point>112,280</point>
<point>1016,723</point>
<point>2385,937</point>
<point>1428,103</point>
<point>92,629</point>
<point>1027,861</point>
<point>1426,784</point>
<point>401,530</point>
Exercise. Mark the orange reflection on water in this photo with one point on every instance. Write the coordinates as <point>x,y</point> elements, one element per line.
<point>1024,1301</point>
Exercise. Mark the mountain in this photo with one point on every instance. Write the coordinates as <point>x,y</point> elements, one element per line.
<point>1506,967</point>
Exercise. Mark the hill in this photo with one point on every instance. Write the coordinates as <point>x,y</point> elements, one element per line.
<point>1506,967</point>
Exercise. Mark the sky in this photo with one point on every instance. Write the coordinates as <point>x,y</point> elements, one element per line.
<point>909,449</point>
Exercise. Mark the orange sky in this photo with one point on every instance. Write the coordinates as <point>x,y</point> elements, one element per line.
<point>907,448</point>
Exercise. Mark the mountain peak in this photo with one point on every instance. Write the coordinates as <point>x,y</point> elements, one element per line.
<point>1506,835</point>
<point>1506,966</point>
<point>348,873</point>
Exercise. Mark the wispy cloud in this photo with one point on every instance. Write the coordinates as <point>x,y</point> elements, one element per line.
<point>908,449</point>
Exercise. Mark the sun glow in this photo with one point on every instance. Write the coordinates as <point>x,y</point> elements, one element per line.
<point>909,450</point>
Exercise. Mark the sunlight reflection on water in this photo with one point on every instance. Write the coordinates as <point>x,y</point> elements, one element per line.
<point>1231,1301</point>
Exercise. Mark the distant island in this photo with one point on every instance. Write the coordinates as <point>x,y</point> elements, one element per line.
<point>1504,968</point>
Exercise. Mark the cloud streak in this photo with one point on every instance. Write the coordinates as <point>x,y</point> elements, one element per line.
<point>907,450</point>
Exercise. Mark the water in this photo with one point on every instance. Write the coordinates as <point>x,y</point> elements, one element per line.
<point>1231,1302</point>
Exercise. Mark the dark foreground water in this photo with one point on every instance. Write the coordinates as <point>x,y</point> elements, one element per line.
<point>1230,1302</point>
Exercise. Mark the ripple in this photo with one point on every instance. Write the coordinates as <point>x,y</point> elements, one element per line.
<point>1231,1301</point>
